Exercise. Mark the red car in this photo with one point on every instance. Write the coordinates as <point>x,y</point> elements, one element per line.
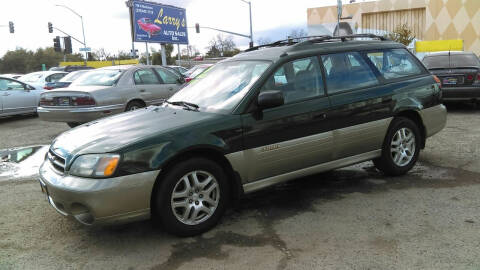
<point>146,25</point>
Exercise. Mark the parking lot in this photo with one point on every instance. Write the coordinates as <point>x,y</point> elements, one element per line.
<point>353,218</point>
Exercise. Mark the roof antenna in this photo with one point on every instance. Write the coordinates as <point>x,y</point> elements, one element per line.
<point>449,61</point>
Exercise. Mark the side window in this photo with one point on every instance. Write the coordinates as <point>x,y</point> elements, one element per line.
<point>145,76</point>
<point>167,76</point>
<point>55,77</point>
<point>395,63</point>
<point>346,71</point>
<point>10,85</point>
<point>298,79</point>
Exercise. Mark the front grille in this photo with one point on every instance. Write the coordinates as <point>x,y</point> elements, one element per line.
<point>56,161</point>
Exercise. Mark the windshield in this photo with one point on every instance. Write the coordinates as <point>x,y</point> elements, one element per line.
<point>223,85</point>
<point>32,77</point>
<point>101,77</point>
<point>197,71</point>
<point>70,77</point>
<point>456,61</point>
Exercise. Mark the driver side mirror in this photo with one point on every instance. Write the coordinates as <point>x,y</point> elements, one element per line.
<point>270,98</point>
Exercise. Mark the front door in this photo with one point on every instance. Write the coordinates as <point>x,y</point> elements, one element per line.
<point>295,135</point>
<point>16,98</point>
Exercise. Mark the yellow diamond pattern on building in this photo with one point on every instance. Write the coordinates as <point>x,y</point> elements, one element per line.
<point>435,7</point>
<point>384,5</point>
<point>472,7</point>
<point>461,20</point>
<point>475,47</point>
<point>453,6</point>
<point>468,36</point>
<point>450,32</point>
<point>443,20</point>
<point>476,22</point>
<point>432,32</point>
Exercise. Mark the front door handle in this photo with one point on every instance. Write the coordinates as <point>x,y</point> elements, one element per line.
<point>319,115</point>
<point>142,90</point>
<point>170,89</point>
<point>6,94</point>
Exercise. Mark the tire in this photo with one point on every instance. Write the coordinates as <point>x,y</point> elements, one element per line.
<point>73,124</point>
<point>399,154</point>
<point>134,105</point>
<point>175,219</point>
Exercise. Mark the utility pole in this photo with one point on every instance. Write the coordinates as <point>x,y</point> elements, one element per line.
<point>83,30</point>
<point>250,11</point>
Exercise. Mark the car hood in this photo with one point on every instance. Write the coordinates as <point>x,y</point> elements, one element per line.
<point>116,132</point>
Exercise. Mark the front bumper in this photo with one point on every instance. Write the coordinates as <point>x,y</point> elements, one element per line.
<point>98,201</point>
<point>460,93</point>
<point>77,115</point>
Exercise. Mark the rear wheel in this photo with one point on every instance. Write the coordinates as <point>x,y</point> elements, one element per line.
<point>401,147</point>
<point>134,105</point>
<point>192,197</point>
<point>73,124</point>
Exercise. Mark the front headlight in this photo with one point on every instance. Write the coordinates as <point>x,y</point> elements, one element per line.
<point>95,165</point>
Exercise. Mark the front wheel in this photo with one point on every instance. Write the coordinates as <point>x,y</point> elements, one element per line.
<point>192,197</point>
<point>401,147</point>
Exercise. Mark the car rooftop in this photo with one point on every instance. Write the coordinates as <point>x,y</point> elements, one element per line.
<point>322,44</point>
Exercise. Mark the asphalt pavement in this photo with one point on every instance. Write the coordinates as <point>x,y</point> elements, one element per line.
<point>353,218</point>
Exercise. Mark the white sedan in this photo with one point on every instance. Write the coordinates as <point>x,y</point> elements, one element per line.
<point>40,79</point>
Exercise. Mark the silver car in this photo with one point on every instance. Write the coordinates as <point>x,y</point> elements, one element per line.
<point>17,97</point>
<point>107,91</point>
<point>40,79</point>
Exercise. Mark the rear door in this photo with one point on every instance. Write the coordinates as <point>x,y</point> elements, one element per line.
<point>295,135</point>
<point>361,107</point>
<point>16,97</point>
<point>147,84</point>
<point>170,83</point>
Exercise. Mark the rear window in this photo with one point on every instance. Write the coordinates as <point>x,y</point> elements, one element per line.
<point>452,61</point>
<point>100,77</point>
<point>70,77</point>
<point>396,63</point>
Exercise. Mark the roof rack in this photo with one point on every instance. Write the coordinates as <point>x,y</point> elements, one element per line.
<point>283,42</point>
<point>300,41</point>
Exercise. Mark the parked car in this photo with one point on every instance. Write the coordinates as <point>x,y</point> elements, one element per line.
<point>237,130</point>
<point>195,71</point>
<point>459,74</point>
<point>106,91</point>
<point>181,70</point>
<point>65,81</point>
<point>11,75</point>
<point>70,68</point>
<point>40,79</point>
<point>17,97</point>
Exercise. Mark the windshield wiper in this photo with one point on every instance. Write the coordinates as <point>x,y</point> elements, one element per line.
<point>186,105</point>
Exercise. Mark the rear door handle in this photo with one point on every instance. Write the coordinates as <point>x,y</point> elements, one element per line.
<point>142,90</point>
<point>6,94</point>
<point>170,88</point>
<point>320,115</point>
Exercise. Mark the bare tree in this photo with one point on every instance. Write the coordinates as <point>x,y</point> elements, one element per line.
<point>297,33</point>
<point>220,45</point>
<point>102,54</point>
<point>264,41</point>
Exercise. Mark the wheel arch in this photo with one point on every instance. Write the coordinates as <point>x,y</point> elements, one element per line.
<point>133,100</point>
<point>211,153</point>
<point>414,115</point>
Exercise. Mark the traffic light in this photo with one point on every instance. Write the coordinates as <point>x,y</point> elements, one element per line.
<point>56,44</point>
<point>50,27</point>
<point>67,43</point>
<point>197,28</point>
<point>11,26</point>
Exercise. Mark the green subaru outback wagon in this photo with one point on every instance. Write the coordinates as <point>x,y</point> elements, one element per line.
<point>271,114</point>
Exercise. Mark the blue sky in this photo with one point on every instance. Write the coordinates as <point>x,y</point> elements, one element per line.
<point>107,23</point>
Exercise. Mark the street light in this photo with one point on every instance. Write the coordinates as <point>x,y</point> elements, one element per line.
<point>250,10</point>
<point>83,30</point>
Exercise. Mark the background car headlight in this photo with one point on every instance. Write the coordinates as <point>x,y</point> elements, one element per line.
<point>96,165</point>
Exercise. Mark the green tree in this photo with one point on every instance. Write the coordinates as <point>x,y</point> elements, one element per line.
<point>17,61</point>
<point>402,34</point>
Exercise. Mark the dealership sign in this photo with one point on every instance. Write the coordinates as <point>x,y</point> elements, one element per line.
<point>159,23</point>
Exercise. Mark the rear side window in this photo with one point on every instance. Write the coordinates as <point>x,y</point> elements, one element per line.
<point>298,79</point>
<point>55,77</point>
<point>145,76</point>
<point>395,63</point>
<point>167,76</point>
<point>346,71</point>
<point>453,61</point>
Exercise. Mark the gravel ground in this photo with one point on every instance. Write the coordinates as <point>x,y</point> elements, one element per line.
<point>353,218</point>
